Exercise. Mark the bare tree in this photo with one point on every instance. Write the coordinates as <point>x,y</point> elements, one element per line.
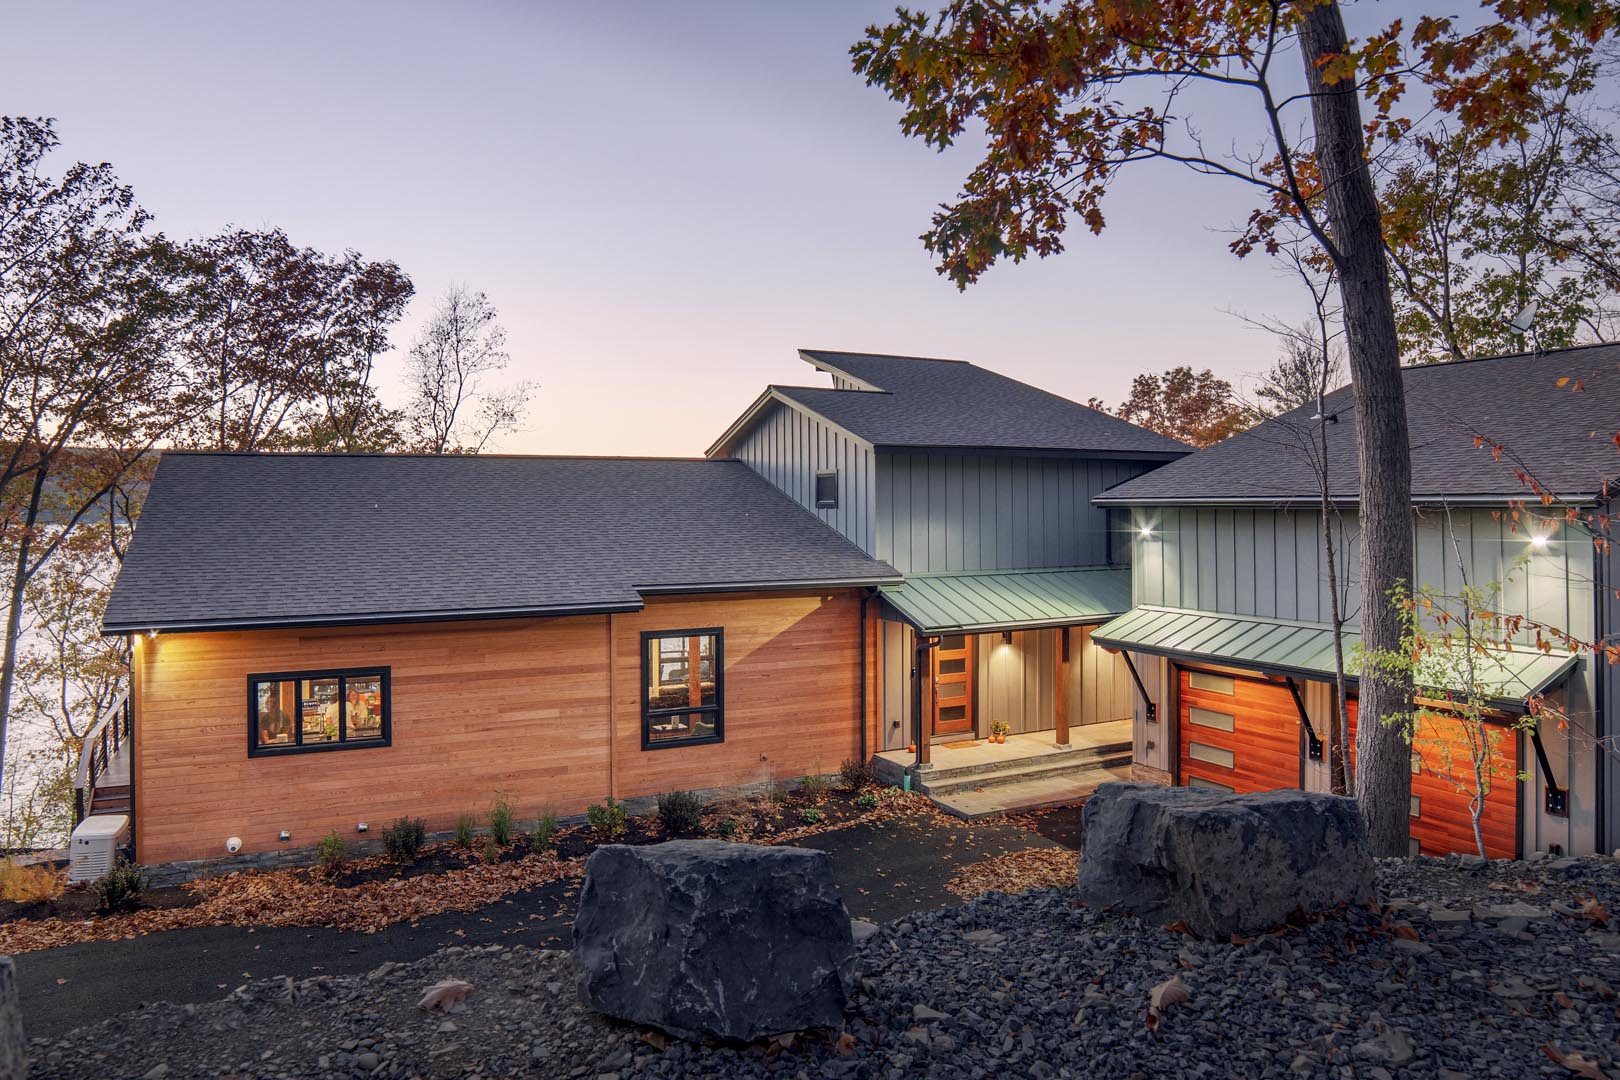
<point>462,345</point>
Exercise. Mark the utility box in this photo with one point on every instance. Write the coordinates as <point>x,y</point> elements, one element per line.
<point>93,848</point>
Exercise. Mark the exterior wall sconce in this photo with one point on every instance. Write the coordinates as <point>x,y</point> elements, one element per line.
<point>1006,637</point>
<point>284,836</point>
<point>1539,541</point>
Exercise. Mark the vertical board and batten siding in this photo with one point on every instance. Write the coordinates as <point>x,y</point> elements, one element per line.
<point>894,696</point>
<point>788,447</point>
<point>1273,559</point>
<point>1606,678</point>
<point>544,711</point>
<point>940,513</point>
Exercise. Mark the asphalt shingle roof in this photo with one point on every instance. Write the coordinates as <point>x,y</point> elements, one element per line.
<point>1561,435</point>
<point>231,540</point>
<point>951,403</point>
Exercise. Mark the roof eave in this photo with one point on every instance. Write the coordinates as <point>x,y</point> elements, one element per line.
<point>304,622</point>
<point>744,423</point>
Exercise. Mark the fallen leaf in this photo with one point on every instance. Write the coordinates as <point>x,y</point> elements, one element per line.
<point>444,995</point>
<point>845,1043</point>
<point>1173,991</point>
<point>1575,1062</point>
<point>654,1039</point>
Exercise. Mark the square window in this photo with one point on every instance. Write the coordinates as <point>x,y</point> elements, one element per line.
<point>826,491</point>
<point>682,675</point>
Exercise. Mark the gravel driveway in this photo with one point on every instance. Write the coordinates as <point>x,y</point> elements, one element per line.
<point>1466,973</point>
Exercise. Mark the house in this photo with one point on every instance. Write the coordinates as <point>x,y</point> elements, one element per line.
<point>321,641</point>
<point>1229,628</point>
<point>979,489</point>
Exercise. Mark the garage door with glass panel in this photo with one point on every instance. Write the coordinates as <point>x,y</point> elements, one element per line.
<point>1236,733</point>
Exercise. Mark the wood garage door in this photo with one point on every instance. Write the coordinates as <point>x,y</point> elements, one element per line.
<point>1441,822</point>
<point>1236,733</point>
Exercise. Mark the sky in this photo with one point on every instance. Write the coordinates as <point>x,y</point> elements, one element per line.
<point>664,201</point>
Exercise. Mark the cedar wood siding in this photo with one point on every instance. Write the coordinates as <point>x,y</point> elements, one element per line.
<point>516,707</point>
<point>1269,562</point>
<point>1608,679</point>
<point>788,447</point>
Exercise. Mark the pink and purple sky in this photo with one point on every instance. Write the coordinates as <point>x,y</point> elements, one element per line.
<point>665,201</point>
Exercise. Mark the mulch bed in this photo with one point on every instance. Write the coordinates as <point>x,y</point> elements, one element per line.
<point>367,894</point>
<point>1017,871</point>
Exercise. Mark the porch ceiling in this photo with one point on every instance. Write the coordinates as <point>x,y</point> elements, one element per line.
<point>1284,647</point>
<point>1010,599</point>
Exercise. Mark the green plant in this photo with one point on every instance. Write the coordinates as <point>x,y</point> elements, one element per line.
<point>329,853</point>
<point>811,816</point>
<point>121,888</point>
<point>607,819</point>
<point>500,822</point>
<point>867,800</point>
<point>1000,727</point>
<point>466,825</point>
<point>813,784</point>
<point>728,828</point>
<point>778,791</point>
<point>545,829</point>
<point>855,773</point>
<point>492,850</point>
<point>403,839</point>
<point>680,811</point>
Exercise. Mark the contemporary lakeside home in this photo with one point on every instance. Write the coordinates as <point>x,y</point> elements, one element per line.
<point>1230,631</point>
<point>899,566</point>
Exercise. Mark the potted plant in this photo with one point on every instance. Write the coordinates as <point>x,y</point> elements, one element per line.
<point>998,731</point>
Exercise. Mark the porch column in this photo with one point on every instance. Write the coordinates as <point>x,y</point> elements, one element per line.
<point>1062,702</point>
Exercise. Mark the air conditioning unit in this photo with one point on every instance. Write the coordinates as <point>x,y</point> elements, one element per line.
<point>93,848</point>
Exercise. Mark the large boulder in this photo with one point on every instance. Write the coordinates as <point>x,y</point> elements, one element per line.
<point>13,1051</point>
<point>712,940</point>
<point>1221,863</point>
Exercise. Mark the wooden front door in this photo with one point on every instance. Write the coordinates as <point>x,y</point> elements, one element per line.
<point>953,685</point>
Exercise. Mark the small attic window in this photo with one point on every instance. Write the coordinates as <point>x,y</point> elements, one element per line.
<point>826,491</point>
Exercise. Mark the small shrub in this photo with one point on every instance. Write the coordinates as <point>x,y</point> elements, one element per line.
<point>329,853</point>
<point>867,800</point>
<point>608,820</point>
<point>466,825</point>
<point>855,773</point>
<point>121,889</point>
<point>811,816</point>
<point>30,884</point>
<point>680,811</point>
<point>500,822</point>
<point>728,828</point>
<point>545,829</point>
<point>813,784</point>
<point>403,839</point>
<point>778,792</point>
<point>492,850</point>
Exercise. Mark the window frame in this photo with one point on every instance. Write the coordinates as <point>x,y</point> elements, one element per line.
<point>384,737</point>
<point>826,504</point>
<point>718,709</point>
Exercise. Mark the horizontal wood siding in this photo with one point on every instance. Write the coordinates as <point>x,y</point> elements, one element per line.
<point>519,707</point>
<point>953,512</point>
<point>788,448</point>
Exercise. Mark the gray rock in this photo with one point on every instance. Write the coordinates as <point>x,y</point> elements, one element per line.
<point>713,940</point>
<point>13,1050</point>
<point>1221,863</point>
<point>860,929</point>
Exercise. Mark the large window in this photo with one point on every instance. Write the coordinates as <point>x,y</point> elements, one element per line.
<point>291,712</point>
<point>681,689</point>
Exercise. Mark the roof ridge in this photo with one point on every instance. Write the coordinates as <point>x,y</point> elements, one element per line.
<point>891,356</point>
<point>418,455</point>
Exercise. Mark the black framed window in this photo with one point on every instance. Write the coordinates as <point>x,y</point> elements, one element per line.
<point>682,691</point>
<point>826,491</point>
<point>292,712</point>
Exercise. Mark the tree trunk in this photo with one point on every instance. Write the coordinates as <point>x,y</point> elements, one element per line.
<point>1383,759</point>
<point>14,607</point>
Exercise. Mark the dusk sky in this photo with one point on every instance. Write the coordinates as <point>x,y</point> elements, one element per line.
<point>664,201</point>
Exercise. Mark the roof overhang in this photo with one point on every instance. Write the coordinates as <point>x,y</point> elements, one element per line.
<point>1305,650</point>
<point>987,601</point>
<point>722,446</point>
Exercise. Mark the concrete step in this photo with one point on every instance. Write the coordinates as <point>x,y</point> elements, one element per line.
<point>1047,766</point>
<point>1053,753</point>
<point>1036,794</point>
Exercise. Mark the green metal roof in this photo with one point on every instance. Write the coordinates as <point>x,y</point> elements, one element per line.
<point>1010,600</point>
<point>1281,646</point>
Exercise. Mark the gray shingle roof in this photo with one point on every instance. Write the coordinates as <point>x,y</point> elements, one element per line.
<point>1563,436</point>
<point>274,539</point>
<point>951,403</point>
